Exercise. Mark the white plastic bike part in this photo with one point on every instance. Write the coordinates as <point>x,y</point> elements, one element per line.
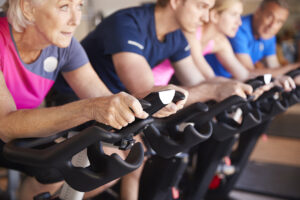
<point>166,96</point>
<point>79,160</point>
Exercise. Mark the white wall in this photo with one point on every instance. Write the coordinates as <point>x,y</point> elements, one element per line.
<point>105,8</point>
<point>1,4</point>
<point>109,6</point>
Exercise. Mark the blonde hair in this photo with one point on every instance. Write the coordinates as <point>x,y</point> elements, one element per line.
<point>221,5</point>
<point>15,14</point>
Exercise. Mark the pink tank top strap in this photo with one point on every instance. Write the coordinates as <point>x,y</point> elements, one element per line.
<point>208,48</point>
<point>164,71</point>
<point>210,45</point>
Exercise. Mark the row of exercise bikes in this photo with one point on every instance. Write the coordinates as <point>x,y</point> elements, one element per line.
<point>186,149</point>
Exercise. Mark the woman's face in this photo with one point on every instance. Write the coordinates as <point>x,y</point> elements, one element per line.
<point>56,20</point>
<point>229,20</point>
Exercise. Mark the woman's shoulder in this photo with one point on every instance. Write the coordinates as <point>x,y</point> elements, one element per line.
<point>221,40</point>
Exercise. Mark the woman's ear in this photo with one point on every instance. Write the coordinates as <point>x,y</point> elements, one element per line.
<point>214,16</point>
<point>27,10</point>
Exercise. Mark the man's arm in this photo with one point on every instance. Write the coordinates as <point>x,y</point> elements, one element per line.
<point>201,90</point>
<point>271,61</point>
<point>218,91</point>
<point>134,72</point>
<point>187,72</point>
<point>245,60</point>
<point>136,75</point>
<point>273,67</point>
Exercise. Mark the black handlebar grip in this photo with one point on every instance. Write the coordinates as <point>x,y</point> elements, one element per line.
<point>178,97</point>
<point>145,104</point>
<point>160,99</point>
<point>255,83</point>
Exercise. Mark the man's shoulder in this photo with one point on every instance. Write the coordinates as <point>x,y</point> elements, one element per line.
<point>131,22</point>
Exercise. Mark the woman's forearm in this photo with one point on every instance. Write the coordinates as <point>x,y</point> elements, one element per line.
<point>44,121</point>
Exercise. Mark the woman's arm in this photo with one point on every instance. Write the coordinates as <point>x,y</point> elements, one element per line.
<point>117,111</point>
<point>29,123</point>
<point>197,55</point>
<point>199,60</point>
<point>86,83</point>
<point>227,58</point>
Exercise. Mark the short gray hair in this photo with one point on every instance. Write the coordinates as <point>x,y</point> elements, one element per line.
<point>15,15</point>
<point>281,3</point>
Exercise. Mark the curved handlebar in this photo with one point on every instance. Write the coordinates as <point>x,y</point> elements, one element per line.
<point>45,153</point>
<point>167,137</point>
<point>256,82</point>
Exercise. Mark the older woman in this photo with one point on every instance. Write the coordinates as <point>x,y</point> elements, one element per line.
<point>36,43</point>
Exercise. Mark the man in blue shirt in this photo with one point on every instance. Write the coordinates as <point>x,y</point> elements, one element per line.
<point>131,31</point>
<point>255,40</point>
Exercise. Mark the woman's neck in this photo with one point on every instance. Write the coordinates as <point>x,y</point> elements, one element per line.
<point>209,32</point>
<point>28,44</point>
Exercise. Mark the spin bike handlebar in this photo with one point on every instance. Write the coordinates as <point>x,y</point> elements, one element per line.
<point>277,100</point>
<point>188,127</point>
<point>269,104</point>
<point>225,126</point>
<point>294,96</point>
<point>54,158</point>
<point>192,125</point>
